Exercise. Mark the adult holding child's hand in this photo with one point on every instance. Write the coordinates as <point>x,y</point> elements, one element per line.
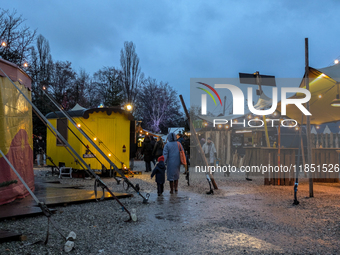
<point>172,159</point>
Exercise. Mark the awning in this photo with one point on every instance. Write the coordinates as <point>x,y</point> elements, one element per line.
<point>323,88</point>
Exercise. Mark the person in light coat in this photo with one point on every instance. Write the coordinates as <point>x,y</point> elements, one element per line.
<point>210,151</point>
<point>173,161</point>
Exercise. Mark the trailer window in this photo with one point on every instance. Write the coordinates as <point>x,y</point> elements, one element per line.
<point>62,129</point>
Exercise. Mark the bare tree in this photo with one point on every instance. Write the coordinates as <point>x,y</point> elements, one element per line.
<point>40,69</point>
<point>109,81</point>
<point>16,38</point>
<point>62,80</point>
<point>132,76</point>
<point>82,83</point>
<point>158,105</point>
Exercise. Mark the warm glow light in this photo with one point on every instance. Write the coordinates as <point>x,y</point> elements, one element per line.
<point>317,127</point>
<point>95,138</point>
<point>227,126</point>
<point>44,88</point>
<point>319,96</point>
<point>147,133</point>
<point>296,128</point>
<point>129,107</point>
<point>275,113</point>
<point>25,64</point>
<point>206,124</point>
<point>336,102</point>
<point>78,125</point>
<point>336,61</point>
<point>257,118</point>
<point>4,44</point>
<point>219,125</point>
<point>249,116</point>
<point>109,154</point>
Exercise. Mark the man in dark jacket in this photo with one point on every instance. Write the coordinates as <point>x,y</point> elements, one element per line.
<point>159,171</point>
<point>40,148</point>
<point>152,142</point>
<point>147,152</point>
<point>158,149</point>
<point>186,147</point>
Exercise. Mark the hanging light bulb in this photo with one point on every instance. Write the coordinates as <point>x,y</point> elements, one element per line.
<point>336,61</point>
<point>336,101</point>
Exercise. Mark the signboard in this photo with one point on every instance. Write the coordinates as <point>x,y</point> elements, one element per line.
<point>90,155</point>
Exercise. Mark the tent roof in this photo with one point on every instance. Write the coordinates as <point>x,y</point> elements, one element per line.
<point>15,73</point>
<point>323,88</point>
<point>77,107</point>
<point>263,102</point>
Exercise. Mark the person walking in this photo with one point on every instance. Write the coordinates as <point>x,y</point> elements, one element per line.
<point>210,151</point>
<point>158,149</point>
<point>40,148</point>
<point>153,143</point>
<point>159,171</point>
<point>147,152</point>
<point>180,138</point>
<point>173,161</point>
<point>186,147</point>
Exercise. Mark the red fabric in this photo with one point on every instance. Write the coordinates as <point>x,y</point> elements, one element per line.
<point>161,158</point>
<point>20,155</point>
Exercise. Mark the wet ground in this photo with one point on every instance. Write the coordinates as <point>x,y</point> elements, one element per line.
<point>240,218</point>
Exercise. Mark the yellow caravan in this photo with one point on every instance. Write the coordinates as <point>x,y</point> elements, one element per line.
<point>110,128</point>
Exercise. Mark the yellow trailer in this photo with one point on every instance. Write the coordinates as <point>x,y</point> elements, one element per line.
<point>111,129</point>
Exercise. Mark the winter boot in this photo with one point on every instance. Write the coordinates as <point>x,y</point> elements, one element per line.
<point>176,186</point>
<point>171,187</point>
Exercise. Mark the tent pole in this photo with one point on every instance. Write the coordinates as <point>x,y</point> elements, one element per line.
<point>103,185</point>
<point>194,135</point>
<point>309,144</point>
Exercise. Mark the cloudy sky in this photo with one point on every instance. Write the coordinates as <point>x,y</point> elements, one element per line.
<point>178,40</point>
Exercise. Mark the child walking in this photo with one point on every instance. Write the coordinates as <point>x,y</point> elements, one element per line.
<point>159,171</point>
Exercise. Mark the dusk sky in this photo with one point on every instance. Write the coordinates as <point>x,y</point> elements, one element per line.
<point>179,40</point>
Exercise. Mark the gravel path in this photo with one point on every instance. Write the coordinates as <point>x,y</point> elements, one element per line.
<point>240,218</point>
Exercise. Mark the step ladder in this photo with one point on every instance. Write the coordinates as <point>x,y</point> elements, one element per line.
<point>65,172</point>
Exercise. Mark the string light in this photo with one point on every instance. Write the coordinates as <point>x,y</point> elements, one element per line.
<point>79,125</point>
<point>3,44</point>
<point>319,96</point>
<point>336,61</point>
